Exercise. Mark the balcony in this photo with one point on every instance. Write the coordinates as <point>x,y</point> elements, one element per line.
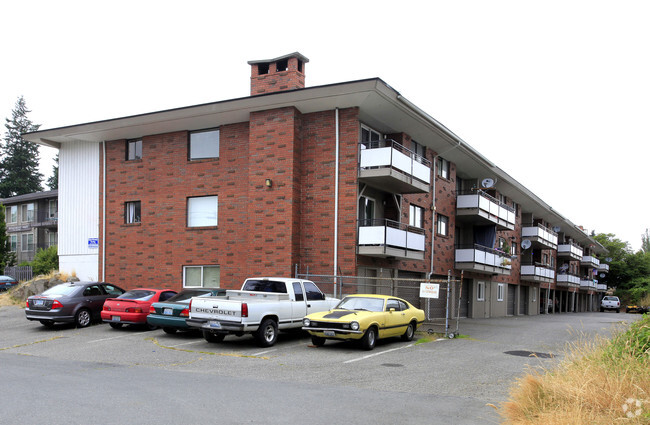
<point>386,239</point>
<point>588,284</point>
<point>479,207</point>
<point>590,261</point>
<point>603,268</point>
<point>569,250</point>
<point>540,236</point>
<point>482,259</point>
<point>568,280</point>
<point>45,218</point>
<point>537,273</point>
<point>389,166</point>
<point>601,287</point>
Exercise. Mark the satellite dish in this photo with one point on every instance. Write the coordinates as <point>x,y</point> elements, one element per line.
<point>602,275</point>
<point>608,259</point>
<point>557,229</point>
<point>487,183</point>
<point>564,267</point>
<point>525,244</point>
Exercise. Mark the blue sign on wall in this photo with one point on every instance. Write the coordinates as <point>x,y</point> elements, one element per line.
<point>93,242</point>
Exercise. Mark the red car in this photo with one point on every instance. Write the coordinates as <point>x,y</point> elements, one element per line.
<point>132,307</point>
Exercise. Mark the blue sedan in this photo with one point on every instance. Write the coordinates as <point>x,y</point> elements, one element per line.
<point>7,282</point>
<point>170,315</point>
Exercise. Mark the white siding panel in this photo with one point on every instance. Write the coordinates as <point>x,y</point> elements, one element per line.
<point>79,203</point>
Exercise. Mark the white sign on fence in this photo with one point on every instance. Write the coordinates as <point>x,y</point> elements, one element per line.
<point>429,290</point>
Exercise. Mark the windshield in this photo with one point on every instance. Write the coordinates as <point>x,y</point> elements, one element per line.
<point>265,286</point>
<point>189,293</point>
<point>137,294</point>
<point>361,303</point>
<point>63,289</point>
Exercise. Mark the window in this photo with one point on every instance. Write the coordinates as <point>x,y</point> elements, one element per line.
<point>27,212</point>
<point>366,211</point>
<point>392,304</point>
<point>133,149</point>
<point>442,225</point>
<point>52,208</point>
<point>132,212</point>
<point>204,144</point>
<point>418,149</point>
<point>480,291</point>
<point>202,211</point>
<point>369,137</point>
<point>416,216</point>
<point>12,216</point>
<point>27,242</point>
<point>500,291</point>
<point>13,240</point>
<point>52,239</point>
<point>202,276</point>
<point>297,290</point>
<point>545,259</point>
<point>443,168</point>
<point>312,291</point>
<point>502,243</point>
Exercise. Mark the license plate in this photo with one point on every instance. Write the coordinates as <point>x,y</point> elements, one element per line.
<point>214,325</point>
<point>329,333</point>
<point>39,303</point>
<point>115,318</point>
<point>167,311</point>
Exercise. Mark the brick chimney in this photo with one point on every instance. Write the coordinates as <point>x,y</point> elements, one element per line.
<point>280,74</point>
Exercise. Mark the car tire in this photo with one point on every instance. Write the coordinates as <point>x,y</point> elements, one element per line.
<point>267,333</point>
<point>170,331</point>
<point>115,325</point>
<point>602,309</point>
<point>369,339</point>
<point>618,310</point>
<point>82,318</point>
<point>318,341</point>
<point>410,331</point>
<point>47,323</point>
<point>212,337</point>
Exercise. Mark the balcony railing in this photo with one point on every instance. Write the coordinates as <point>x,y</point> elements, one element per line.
<point>45,218</point>
<point>568,279</point>
<point>392,167</point>
<point>480,204</point>
<point>586,283</point>
<point>570,250</point>
<point>537,272</point>
<point>388,238</point>
<point>482,259</point>
<point>590,261</point>
<point>601,287</point>
<point>539,235</point>
<point>603,268</point>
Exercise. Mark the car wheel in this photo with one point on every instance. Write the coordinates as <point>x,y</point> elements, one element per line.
<point>115,325</point>
<point>318,341</point>
<point>267,333</point>
<point>369,339</point>
<point>212,337</point>
<point>618,310</point>
<point>169,330</point>
<point>82,318</point>
<point>47,323</point>
<point>602,309</point>
<point>410,331</point>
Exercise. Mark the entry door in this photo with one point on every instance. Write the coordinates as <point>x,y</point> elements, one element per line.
<point>511,300</point>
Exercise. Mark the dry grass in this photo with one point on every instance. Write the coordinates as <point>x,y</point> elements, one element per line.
<point>600,382</point>
<point>7,299</point>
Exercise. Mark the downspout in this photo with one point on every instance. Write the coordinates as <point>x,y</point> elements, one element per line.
<point>103,210</point>
<point>336,191</point>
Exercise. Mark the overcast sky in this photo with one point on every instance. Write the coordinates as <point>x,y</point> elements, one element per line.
<point>556,93</point>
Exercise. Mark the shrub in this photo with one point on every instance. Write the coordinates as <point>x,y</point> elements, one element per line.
<point>45,261</point>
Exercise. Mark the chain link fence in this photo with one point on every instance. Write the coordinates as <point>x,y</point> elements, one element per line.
<point>442,314</point>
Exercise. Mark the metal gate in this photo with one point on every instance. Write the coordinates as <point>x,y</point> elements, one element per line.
<point>511,300</point>
<point>439,312</point>
<point>523,300</point>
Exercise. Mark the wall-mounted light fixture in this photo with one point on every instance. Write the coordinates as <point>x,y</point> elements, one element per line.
<point>268,182</point>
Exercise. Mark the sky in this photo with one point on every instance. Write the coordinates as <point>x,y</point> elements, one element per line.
<point>556,93</point>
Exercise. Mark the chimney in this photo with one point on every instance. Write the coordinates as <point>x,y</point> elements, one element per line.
<point>280,74</point>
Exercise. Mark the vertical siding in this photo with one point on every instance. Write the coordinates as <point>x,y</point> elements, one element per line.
<point>78,197</point>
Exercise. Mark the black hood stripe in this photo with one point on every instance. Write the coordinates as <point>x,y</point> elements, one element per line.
<point>337,314</point>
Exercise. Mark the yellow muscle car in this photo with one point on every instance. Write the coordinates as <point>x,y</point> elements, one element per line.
<point>365,317</point>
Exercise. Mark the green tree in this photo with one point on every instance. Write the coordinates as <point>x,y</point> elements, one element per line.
<point>19,158</point>
<point>7,258</point>
<point>45,261</point>
<point>53,181</point>
<point>645,242</point>
<point>618,251</point>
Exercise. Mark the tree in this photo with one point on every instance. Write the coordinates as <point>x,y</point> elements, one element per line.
<point>19,158</point>
<point>45,261</point>
<point>7,258</point>
<point>53,181</point>
<point>645,242</point>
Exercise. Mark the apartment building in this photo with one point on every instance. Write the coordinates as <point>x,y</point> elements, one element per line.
<point>32,223</point>
<point>342,179</point>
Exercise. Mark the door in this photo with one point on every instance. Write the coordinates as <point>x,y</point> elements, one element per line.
<point>523,300</point>
<point>395,318</point>
<point>511,300</point>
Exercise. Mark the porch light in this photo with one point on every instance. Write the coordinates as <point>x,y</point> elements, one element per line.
<point>268,182</point>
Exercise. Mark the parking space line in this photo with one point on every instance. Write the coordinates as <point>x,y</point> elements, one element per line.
<point>187,343</point>
<point>264,352</point>
<point>377,354</point>
<point>108,339</point>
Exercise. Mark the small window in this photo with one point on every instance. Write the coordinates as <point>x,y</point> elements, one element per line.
<point>202,211</point>
<point>27,212</point>
<point>392,304</point>
<point>14,243</point>
<point>112,290</point>
<point>92,291</point>
<point>500,291</point>
<point>297,290</point>
<point>133,150</point>
<point>282,65</point>
<point>480,291</point>
<point>312,291</point>
<point>442,225</point>
<point>201,276</point>
<point>418,149</point>
<point>204,144</point>
<point>262,68</point>
<point>443,168</point>
<point>12,216</point>
<point>369,137</point>
<point>27,242</point>
<point>416,216</point>
<point>52,239</point>
<point>132,212</point>
<point>53,208</point>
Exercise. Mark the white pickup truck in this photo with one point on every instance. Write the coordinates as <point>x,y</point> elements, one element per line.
<point>263,307</point>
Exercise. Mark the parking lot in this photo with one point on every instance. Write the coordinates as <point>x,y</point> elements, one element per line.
<point>451,380</point>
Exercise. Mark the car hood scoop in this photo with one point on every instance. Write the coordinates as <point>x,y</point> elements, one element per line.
<point>337,314</point>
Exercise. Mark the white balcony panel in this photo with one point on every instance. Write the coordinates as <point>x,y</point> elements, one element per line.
<point>467,201</point>
<point>371,235</point>
<point>464,255</point>
<point>379,157</point>
<point>415,241</point>
<point>402,162</point>
<point>421,172</point>
<point>395,237</point>
<point>568,278</point>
